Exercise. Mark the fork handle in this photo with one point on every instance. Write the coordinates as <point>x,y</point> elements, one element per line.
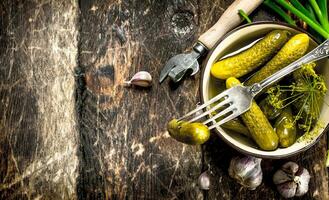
<point>229,20</point>
<point>318,53</point>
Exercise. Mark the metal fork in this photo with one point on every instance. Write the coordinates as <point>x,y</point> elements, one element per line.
<point>237,100</point>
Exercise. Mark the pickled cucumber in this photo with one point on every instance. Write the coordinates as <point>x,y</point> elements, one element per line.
<point>269,111</point>
<point>234,125</point>
<point>252,58</point>
<point>295,48</point>
<point>286,128</point>
<point>259,127</point>
<point>237,126</point>
<point>189,133</point>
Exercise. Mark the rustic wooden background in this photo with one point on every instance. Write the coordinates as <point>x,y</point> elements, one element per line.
<point>70,130</point>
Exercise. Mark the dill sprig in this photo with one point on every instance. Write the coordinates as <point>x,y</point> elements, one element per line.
<point>305,93</point>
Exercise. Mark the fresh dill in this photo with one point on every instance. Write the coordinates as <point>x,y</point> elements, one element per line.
<point>305,94</point>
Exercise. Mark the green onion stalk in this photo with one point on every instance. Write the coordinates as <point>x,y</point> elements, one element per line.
<point>244,16</point>
<point>304,10</point>
<point>315,25</point>
<point>324,8</point>
<point>279,11</point>
<point>321,16</point>
<point>312,31</point>
<point>316,18</point>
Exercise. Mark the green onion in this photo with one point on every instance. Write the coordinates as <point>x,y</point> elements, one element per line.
<point>277,9</point>
<point>311,30</point>
<point>309,21</point>
<point>244,16</point>
<point>310,10</point>
<point>324,8</point>
<point>319,14</point>
<point>301,8</point>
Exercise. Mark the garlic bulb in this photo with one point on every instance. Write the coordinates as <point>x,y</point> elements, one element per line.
<point>247,171</point>
<point>204,181</point>
<point>291,180</point>
<point>142,79</point>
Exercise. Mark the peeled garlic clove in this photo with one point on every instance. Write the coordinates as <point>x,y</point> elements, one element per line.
<point>204,181</point>
<point>142,79</point>
<point>247,171</point>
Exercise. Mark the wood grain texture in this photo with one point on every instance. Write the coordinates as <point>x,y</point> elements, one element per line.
<point>70,130</point>
<point>38,138</point>
<point>124,144</point>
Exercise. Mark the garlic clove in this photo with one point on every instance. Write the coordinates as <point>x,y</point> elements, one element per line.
<point>142,79</point>
<point>288,189</point>
<point>255,181</point>
<point>304,179</point>
<point>280,177</point>
<point>290,167</point>
<point>141,83</point>
<point>204,181</point>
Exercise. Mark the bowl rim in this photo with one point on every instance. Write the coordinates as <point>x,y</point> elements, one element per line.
<point>204,63</point>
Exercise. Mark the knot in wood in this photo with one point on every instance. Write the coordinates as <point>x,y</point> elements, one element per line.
<point>182,24</point>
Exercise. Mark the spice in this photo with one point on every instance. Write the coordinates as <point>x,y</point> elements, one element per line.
<point>204,181</point>
<point>247,171</point>
<point>305,94</point>
<point>141,79</point>
<point>291,180</point>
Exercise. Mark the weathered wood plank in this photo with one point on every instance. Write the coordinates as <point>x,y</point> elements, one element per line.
<point>117,40</point>
<point>107,141</point>
<point>125,143</point>
<point>38,139</point>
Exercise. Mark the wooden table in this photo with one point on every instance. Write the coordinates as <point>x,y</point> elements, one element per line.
<point>70,130</point>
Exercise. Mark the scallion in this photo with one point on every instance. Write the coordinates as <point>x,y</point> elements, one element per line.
<point>277,9</point>
<point>301,8</point>
<point>311,30</point>
<point>319,14</point>
<point>324,8</point>
<point>303,17</point>
<point>244,16</point>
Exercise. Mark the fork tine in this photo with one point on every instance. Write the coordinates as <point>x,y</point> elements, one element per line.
<point>214,99</point>
<point>221,113</point>
<point>222,103</point>
<point>223,121</point>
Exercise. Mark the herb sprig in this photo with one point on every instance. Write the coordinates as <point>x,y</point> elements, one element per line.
<point>305,94</point>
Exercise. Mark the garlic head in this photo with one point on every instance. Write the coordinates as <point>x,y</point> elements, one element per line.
<point>291,180</point>
<point>247,171</point>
